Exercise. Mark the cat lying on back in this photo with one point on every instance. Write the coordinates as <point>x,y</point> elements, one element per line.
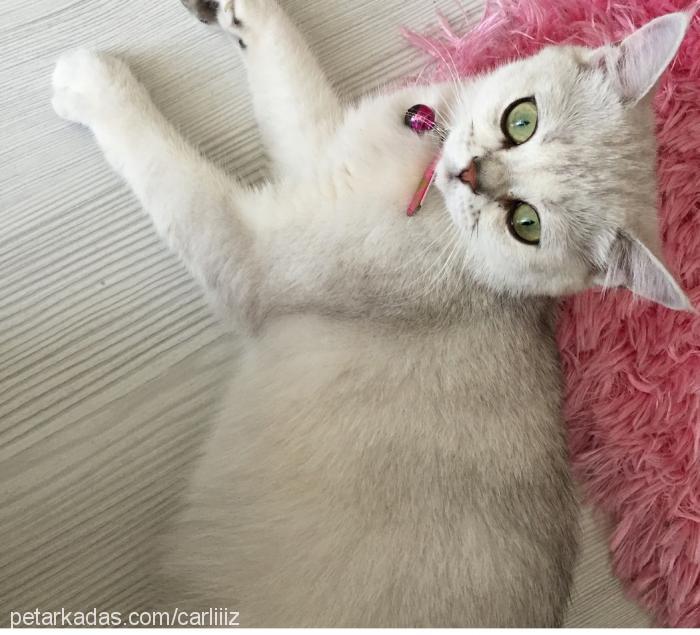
<point>391,451</point>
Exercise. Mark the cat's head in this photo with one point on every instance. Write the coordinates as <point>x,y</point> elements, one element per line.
<point>549,169</point>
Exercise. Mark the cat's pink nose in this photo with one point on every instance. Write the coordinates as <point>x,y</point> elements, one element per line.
<point>470,177</point>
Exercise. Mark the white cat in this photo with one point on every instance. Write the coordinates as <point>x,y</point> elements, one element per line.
<point>391,451</point>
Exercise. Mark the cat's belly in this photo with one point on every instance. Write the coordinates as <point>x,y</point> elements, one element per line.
<point>352,480</point>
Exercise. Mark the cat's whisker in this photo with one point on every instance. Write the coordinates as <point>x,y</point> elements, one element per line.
<point>440,131</point>
<point>424,282</point>
<point>452,115</point>
<point>455,243</point>
<point>455,80</point>
<point>427,273</point>
<point>442,233</point>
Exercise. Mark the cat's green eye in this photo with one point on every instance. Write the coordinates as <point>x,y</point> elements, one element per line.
<point>520,121</point>
<point>524,223</point>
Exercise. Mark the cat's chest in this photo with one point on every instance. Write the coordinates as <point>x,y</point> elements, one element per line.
<point>376,159</point>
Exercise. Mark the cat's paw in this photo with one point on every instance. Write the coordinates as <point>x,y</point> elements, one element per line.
<point>242,18</point>
<point>87,85</point>
<point>204,10</point>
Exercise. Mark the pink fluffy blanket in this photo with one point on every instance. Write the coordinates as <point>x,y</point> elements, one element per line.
<point>633,368</point>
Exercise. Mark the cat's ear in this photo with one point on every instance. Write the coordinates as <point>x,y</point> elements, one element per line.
<point>637,63</point>
<point>632,265</point>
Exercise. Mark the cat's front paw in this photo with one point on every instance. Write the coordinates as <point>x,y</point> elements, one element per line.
<point>240,17</point>
<point>88,85</point>
<point>204,10</point>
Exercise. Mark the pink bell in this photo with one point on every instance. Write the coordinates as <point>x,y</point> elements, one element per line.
<point>420,119</point>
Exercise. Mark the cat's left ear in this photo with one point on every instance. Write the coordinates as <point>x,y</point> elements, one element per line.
<point>637,63</point>
<point>632,265</point>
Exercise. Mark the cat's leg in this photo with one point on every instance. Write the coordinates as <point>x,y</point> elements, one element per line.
<point>279,248</point>
<point>189,200</point>
<point>295,105</point>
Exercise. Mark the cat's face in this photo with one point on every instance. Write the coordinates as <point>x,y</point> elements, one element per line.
<point>549,169</point>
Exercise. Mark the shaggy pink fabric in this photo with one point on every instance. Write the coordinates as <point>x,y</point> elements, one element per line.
<point>633,369</point>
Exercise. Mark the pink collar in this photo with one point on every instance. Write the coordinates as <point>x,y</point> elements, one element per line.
<point>423,188</point>
<point>421,119</point>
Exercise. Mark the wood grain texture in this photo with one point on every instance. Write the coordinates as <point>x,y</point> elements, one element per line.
<point>110,361</point>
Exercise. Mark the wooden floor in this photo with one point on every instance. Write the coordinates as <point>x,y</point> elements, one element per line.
<point>109,358</point>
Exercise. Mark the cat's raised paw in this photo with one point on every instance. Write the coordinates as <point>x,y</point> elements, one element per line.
<point>87,84</point>
<point>204,10</point>
<point>239,17</point>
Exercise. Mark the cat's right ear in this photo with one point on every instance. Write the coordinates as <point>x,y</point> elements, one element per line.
<point>632,265</point>
<point>637,63</point>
